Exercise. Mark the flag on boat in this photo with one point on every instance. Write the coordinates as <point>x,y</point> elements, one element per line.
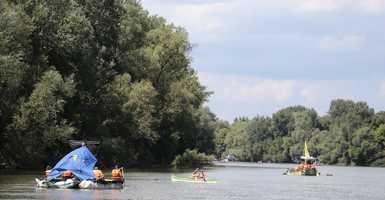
<point>80,162</point>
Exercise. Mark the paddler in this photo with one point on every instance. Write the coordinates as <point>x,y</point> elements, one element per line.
<point>47,170</point>
<point>98,174</point>
<point>195,174</point>
<point>203,175</point>
<point>199,174</point>
<point>117,174</point>
<point>67,174</point>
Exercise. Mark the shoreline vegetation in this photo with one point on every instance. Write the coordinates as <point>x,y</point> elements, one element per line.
<point>109,71</point>
<point>192,159</point>
<point>351,133</point>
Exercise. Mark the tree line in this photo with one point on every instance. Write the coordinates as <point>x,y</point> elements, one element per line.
<point>351,133</point>
<point>107,70</point>
<point>101,70</point>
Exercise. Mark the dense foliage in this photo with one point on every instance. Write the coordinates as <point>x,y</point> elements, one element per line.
<point>97,70</point>
<point>351,133</point>
<point>192,159</point>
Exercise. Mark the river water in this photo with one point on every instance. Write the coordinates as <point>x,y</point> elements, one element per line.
<point>235,181</point>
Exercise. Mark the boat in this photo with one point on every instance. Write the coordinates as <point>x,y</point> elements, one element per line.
<point>101,184</point>
<point>230,158</point>
<point>188,179</point>
<point>81,163</point>
<point>61,184</point>
<point>76,184</point>
<point>308,166</point>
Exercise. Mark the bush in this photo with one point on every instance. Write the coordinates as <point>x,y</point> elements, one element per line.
<point>192,159</point>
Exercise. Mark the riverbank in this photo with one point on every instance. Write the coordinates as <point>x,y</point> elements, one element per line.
<point>253,165</point>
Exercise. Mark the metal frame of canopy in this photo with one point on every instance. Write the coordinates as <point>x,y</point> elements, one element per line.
<point>76,143</point>
<point>91,144</point>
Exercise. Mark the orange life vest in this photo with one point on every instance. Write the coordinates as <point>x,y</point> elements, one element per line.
<point>98,174</point>
<point>116,174</point>
<point>308,166</point>
<point>67,174</point>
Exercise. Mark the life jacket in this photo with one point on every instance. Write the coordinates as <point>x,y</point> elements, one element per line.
<point>116,174</point>
<point>308,166</point>
<point>47,172</point>
<point>67,174</point>
<point>98,174</point>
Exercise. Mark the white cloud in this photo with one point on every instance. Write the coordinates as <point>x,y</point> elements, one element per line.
<point>382,90</point>
<point>345,42</point>
<point>373,6</point>
<point>243,89</point>
<point>319,5</point>
<point>235,7</point>
<point>311,93</point>
<point>245,95</point>
<point>217,19</point>
<point>316,92</point>
<point>369,6</point>
<point>200,17</point>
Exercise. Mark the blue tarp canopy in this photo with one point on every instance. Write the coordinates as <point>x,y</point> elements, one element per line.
<point>80,162</point>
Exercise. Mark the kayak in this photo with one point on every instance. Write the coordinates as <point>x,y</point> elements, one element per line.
<point>105,184</point>
<point>175,178</point>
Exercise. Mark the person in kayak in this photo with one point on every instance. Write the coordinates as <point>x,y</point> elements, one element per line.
<point>199,174</point>
<point>117,174</point>
<point>47,170</point>
<point>98,174</point>
<point>195,173</point>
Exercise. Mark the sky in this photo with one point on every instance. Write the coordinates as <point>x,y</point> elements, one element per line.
<point>259,56</point>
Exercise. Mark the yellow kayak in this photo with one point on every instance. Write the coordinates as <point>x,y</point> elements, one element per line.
<point>175,178</point>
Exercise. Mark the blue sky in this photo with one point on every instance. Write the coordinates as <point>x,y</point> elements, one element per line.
<point>259,56</point>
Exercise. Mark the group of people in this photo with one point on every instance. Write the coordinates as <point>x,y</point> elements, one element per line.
<point>305,166</point>
<point>116,174</point>
<point>199,175</point>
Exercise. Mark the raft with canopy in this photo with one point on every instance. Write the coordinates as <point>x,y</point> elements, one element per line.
<point>81,163</point>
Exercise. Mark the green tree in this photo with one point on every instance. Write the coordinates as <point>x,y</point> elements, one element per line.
<point>380,135</point>
<point>39,128</point>
<point>237,140</point>
<point>220,145</point>
<point>14,45</point>
<point>363,149</point>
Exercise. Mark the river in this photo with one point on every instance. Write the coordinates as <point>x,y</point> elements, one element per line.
<point>235,181</point>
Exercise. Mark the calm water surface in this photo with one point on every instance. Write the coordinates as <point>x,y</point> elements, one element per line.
<point>238,181</point>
